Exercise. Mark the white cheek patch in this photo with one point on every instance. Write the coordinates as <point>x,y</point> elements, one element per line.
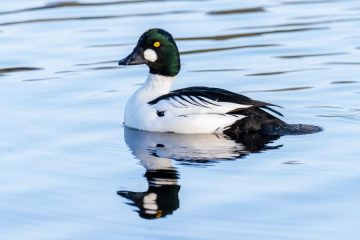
<point>150,55</point>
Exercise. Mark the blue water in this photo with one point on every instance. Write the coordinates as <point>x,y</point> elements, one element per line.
<point>69,169</point>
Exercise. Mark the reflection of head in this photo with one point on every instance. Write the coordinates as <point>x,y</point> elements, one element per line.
<point>160,199</point>
<point>157,150</point>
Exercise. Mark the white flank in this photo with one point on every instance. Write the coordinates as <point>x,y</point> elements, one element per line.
<point>179,117</point>
<point>150,55</point>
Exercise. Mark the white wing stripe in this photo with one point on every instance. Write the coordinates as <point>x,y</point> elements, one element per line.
<point>179,100</point>
<point>207,100</point>
<point>174,103</point>
<point>194,98</point>
<point>189,100</point>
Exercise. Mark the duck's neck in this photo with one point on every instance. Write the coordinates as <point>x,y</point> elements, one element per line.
<point>155,86</point>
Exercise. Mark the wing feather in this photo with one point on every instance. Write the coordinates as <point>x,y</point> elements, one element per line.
<point>210,100</point>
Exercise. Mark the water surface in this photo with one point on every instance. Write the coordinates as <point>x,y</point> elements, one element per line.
<point>71,171</point>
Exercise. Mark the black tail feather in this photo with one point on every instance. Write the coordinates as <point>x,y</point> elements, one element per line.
<point>273,110</point>
<point>291,129</point>
<point>258,120</point>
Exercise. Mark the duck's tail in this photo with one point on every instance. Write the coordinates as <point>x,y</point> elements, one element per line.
<point>258,120</point>
<point>290,129</point>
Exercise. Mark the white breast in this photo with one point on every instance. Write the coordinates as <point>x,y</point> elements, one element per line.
<point>138,113</point>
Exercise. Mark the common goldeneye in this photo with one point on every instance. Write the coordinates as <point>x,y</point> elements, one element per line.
<point>154,107</point>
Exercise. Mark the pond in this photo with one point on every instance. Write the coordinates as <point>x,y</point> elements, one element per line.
<point>70,170</point>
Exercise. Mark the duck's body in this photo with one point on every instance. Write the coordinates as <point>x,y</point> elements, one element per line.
<point>154,107</point>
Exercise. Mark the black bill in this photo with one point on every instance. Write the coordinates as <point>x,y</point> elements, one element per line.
<point>133,59</point>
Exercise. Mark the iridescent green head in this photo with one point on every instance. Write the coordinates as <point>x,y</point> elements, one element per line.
<point>157,49</point>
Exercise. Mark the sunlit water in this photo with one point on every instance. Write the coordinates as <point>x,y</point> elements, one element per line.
<point>69,170</point>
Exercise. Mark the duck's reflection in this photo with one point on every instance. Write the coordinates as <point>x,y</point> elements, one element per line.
<point>156,151</point>
<point>160,199</point>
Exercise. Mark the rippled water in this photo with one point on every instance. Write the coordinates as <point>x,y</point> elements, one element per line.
<point>69,170</point>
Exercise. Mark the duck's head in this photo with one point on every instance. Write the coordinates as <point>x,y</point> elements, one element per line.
<point>157,49</point>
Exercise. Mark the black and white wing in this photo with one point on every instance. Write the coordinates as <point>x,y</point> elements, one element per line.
<point>195,100</point>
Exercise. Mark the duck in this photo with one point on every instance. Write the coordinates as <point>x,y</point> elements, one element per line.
<point>155,107</point>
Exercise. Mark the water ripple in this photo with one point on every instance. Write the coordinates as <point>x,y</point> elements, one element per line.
<point>313,55</point>
<point>109,45</point>
<point>61,19</point>
<point>251,34</point>
<point>325,107</point>
<point>101,68</point>
<point>66,4</point>
<point>281,89</point>
<point>39,79</point>
<point>343,116</point>
<point>307,2</point>
<point>269,73</point>
<point>18,69</point>
<point>227,48</point>
<point>299,24</point>
<point>283,72</point>
<point>237,11</point>
<point>95,63</point>
<point>343,82</point>
<point>343,63</point>
<point>218,70</point>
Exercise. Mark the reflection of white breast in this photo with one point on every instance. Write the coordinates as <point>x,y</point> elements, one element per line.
<point>155,150</point>
<point>198,147</point>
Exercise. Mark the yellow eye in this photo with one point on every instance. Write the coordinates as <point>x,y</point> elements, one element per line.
<point>156,44</point>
